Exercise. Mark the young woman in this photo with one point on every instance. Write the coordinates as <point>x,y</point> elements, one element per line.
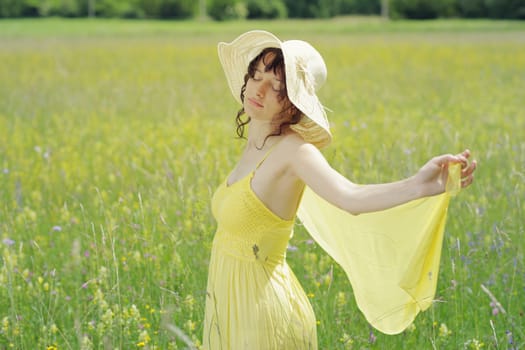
<point>254,301</point>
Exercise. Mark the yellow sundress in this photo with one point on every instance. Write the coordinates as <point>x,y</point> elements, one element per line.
<point>253,299</point>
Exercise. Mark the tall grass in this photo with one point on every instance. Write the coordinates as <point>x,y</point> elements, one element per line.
<point>115,134</point>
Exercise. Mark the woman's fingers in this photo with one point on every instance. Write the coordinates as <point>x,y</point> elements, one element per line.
<point>467,174</point>
<point>467,181</point>
<point>467,168</point>
<point>436,166</point>
<point>463,158</point>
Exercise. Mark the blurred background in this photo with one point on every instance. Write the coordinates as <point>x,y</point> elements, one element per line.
<point>264,9</point>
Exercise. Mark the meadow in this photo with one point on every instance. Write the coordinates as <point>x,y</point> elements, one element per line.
<point>114,135</point>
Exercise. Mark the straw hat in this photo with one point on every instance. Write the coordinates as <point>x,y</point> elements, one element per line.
<point>305,73</point>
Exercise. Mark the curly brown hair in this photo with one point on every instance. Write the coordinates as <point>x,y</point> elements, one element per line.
<point>276,65</point>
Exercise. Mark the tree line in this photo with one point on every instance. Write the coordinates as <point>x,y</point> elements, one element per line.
<point>264,9</point>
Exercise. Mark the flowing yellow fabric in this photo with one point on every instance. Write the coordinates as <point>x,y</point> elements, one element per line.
<point>391,257</point>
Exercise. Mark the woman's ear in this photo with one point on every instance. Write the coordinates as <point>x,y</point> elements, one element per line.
<point>292,110</point>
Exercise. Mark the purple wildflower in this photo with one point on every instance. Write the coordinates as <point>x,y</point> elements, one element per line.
<point>510,340</point>
<point>292,248</point>
<point>509,337</point>
<point>372,338</point>
<point>494,307</point>
<point>56,228</point>
<point>8,241</point>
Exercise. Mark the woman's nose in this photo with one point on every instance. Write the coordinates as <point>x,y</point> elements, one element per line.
<point>261,90</point>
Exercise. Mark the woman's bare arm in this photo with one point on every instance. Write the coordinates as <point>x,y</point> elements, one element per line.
<point>311,167</point>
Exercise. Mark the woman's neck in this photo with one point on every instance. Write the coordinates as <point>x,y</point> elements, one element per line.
<point>258,132</point>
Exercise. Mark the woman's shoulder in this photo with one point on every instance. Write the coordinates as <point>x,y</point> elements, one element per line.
<point>294,142</point>
<point>294,145</point>
<point>297,156</point>
<point>294,149</point>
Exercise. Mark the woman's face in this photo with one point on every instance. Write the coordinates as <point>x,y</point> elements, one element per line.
<point>262,98</point>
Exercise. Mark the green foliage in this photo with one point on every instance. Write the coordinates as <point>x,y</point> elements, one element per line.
<point>428,9</point>
<point>239,9</point>
<point>11,8</point>
<point>311,8</point>
<point>266,9</point>
<point>472,8</point>
<point>116,8</point>
<point>419,9</point>
<point>367,7</point>
<point>102,8</point>
<point>514,9</point>
<point>177,9</point>
<point>222,10</point>
<point>66,8</point>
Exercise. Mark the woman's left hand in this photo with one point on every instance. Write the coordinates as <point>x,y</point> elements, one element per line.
<point>432,177</point>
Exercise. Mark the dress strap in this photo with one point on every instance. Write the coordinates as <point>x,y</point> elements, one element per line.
<point>266,155</point>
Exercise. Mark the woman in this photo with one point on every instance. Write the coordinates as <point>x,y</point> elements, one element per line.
<point>253,299</point>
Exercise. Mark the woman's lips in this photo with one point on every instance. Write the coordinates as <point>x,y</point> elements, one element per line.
<point>255,103</point>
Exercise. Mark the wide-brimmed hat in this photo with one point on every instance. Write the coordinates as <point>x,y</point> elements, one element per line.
<point>305,72</point>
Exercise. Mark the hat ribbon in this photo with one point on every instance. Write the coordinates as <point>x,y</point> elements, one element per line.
<point>305,75</point>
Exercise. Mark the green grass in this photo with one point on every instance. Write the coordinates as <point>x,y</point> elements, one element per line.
<point>114,135</point>
<point>56,27</point>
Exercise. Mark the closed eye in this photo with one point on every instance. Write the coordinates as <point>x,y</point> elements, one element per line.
<point>257,76</point>
<point>276,84</point>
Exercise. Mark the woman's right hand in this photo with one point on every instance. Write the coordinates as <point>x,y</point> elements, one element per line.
<point>432,177</point>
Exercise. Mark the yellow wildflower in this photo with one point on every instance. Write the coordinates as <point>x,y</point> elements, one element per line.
<point>5,325</point>
<point>411,328</point>
<point>86,343</point>
<point>190,325</point>
<point>341,299</point>
<point>444,331</point>
<point>474,344</point>
<point>144,337</point>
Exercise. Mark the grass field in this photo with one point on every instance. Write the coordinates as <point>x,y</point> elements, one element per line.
<point>114,135</point>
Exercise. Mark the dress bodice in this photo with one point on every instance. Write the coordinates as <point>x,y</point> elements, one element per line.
<point>247,226</point>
